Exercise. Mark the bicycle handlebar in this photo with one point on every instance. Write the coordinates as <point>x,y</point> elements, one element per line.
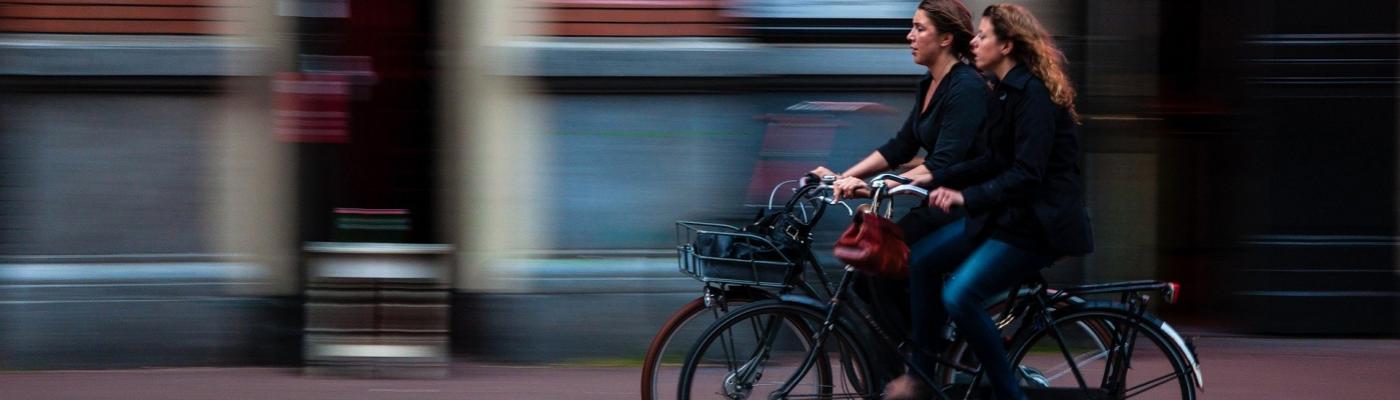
<point>905,187</point>
<point>821,186</point>
<point>879,180</point>
<point>908,190</point>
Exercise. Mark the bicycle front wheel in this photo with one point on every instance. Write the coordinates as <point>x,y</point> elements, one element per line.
<point>662,364</point>
<point>1101,352</point>
<point>770,349</point>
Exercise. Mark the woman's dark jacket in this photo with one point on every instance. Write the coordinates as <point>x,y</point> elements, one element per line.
<point>948,129</point>
<point>1028,186</point>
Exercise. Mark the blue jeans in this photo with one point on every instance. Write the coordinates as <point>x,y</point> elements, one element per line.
<point>981,268</point>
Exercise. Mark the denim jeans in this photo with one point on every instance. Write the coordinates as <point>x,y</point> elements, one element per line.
<point>980,269</point>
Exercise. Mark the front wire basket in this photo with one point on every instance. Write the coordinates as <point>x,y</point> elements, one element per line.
<point>705,254</point>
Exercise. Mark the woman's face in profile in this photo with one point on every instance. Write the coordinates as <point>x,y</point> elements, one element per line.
<point>923,39</point>
<point>986,47</point>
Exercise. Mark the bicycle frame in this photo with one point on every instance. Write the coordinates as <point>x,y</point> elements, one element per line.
<point>1036,306</point>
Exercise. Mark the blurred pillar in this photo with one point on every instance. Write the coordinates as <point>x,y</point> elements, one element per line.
<point>490,124</point>
<point>253,211</point>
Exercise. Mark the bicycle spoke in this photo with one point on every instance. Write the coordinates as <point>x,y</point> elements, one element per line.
<point>1145,386</point>
<point>727,347</point>
<point>1080,362</point>
<point>764,345</point>
<point>776,356</point>
<point>1094,343</point>
<point>1069,359</point>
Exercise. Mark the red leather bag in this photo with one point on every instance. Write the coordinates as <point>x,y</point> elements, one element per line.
<point>875,245</point>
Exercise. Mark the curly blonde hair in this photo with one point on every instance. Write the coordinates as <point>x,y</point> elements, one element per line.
<point>1033,46</point>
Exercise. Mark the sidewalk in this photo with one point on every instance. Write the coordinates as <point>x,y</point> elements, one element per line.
<point>1235,368</point>
<point>469,381</point>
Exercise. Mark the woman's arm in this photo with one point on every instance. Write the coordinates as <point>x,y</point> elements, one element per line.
<point>871,165</point>
<point>968,172</point>
<point>920,175</point>
<point>911,164</point>
<point>1035,134</point>
<point>898,150</point>
<point>851,186</point>
<point>852,183</point>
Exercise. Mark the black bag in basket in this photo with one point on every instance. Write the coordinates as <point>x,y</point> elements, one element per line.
<point>784,228</point>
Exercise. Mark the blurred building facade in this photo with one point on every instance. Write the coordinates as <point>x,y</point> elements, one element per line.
<point>166,160</point>
<point>144,219</point>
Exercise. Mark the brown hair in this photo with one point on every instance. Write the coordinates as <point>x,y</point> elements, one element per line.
<point>1033,46</point>
<point>951,16</point>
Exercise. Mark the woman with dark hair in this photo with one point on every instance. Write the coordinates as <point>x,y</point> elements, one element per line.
<point>945,122</point>
<point>1029,212</point>
<point>952,103</point>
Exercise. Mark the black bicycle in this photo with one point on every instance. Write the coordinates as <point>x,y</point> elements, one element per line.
<point>798,346</point>
<point>739,278</point>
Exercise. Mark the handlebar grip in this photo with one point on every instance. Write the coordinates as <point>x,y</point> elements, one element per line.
<point>909,190</point>
<point>894,177</point>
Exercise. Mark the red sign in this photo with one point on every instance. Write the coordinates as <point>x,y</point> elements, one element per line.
<point>311,107</point>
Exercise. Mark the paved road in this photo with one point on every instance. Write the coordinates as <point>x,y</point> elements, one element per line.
<point>1236,368</point>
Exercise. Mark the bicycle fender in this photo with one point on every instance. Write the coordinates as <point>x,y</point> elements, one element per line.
<point>806,301</point>
<point>1176,339</point>
<point>845,318</point>
<point>1188,351</point>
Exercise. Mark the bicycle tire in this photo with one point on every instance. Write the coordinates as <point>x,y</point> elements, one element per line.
<point>1127,328</point>
<point>854,377</point>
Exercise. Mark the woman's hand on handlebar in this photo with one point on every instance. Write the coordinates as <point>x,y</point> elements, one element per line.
<point>945,199</point>
<point>849,187</point>
<point>823,172</point>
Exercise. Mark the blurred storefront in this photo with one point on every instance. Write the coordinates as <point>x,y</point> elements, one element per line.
<point>166,161</point>
<point>141,222</point>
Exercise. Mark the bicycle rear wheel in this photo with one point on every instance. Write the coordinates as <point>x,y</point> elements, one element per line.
<point>758,349</point>
<point>1006,321</point>
<point>1101,351</point>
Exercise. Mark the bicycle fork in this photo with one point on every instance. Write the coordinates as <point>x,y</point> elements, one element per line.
<point>818,338</point>
<point>740,382</point>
